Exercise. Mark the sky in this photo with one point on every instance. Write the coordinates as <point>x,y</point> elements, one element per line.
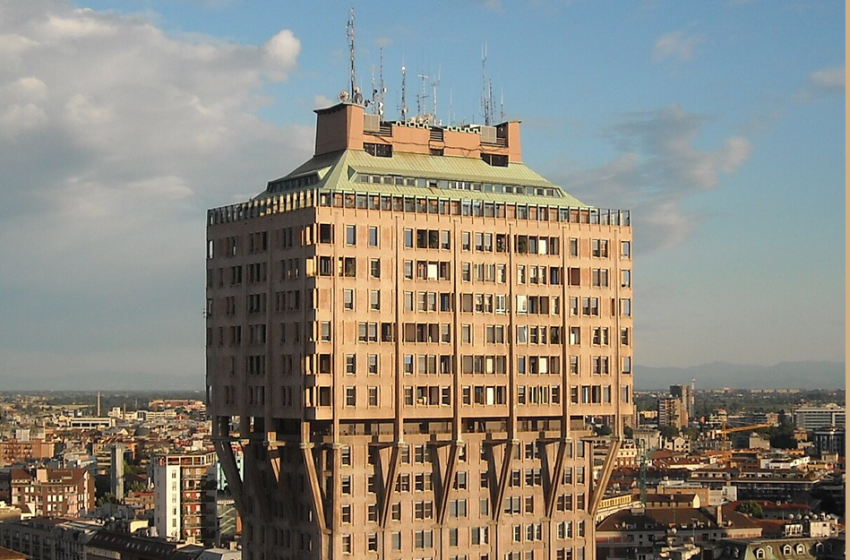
<point>720,125</point>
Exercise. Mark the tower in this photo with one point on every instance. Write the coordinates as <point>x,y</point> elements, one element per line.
<point>116,471</point>
<point>685,394</point>
<point>408,335</point>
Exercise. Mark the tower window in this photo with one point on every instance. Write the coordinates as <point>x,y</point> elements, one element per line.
<point>378,150</point>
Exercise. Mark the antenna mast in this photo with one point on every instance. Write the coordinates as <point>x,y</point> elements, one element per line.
<point>403,92</point>
<point>382,91</point>
<point>503,106</point>
<point>349,34</point>
<point>420,99</point>
<point>490,103</point>
<point>486,93</point>
<point>435,84</point>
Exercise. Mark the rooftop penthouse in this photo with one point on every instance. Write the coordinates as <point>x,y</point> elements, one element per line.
<point>476,170</point>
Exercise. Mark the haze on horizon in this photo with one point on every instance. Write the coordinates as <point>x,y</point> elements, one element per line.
<point>720,125</point>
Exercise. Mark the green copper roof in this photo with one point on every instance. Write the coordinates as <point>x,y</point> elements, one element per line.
<point>340,171</point>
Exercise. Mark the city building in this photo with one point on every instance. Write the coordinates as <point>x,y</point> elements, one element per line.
<point>830,439</point>
<point>636,533</point>
<point>15,450</point>
<point>413,332</point>
<point>672,412</point>
<point>48,538</point>
<point>116,471</point>
<point>685,394</point>
<point>52,492</point>
<point>816,417</point>
<point>182,509</point>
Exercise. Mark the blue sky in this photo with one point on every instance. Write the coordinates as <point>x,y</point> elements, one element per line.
<point>720,124</point>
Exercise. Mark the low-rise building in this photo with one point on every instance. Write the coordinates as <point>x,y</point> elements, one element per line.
<point>16,450</point>
<point>816,417</point>
<point>636,533</point>
<point>45,538</point>
<point>53,492</point>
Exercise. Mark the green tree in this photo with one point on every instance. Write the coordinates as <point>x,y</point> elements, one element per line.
<point>750,508</point>
<point>602,430</point>
<point>669,432</point>
<point>691,433</point>
<point>109,497</point>
<point>782,436</point>
<point>137,486</point>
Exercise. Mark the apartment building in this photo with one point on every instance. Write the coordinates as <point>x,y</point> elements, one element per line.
<point>409,335</point>
<point>17,450</point>
<point>52,492</point>
<point>182,508</point>
<point>672,412</point>
<point>686,394</point>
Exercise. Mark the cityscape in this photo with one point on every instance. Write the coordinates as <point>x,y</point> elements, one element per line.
<point>428,329</point>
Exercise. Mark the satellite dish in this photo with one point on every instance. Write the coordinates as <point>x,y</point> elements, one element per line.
<point>343,95</point>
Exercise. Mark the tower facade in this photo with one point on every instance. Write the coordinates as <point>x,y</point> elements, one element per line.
<point>408,336</point>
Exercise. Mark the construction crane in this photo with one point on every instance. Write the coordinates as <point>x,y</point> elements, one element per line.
<point>736,429</point>
<point>644,460</point>
<point>725,431</point>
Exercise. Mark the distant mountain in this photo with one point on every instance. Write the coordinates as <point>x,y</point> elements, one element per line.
<point>717,375</point>
<point>102,381</point>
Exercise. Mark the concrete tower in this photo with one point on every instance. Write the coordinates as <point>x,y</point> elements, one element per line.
<point>413,330</point>
<point>116,471</point>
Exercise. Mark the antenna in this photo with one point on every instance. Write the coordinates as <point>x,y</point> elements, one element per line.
<point>383,90</point>
<point>379,91</point>
<point>435,84</point>
<point>374,91</point>
<point>451,107</point>
<point>349,34</point>
<point>490,103</point>
<point>420,99</point>
<point>503,106</point>
<point>486,93</point>
<point>403,91</point>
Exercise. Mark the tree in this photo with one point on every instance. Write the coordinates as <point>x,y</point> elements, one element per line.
<point>782,436</point>
<point>691,433</point>
<point>602,430</point>
<point>109,497</point>
<point>750,508</point>
<point>669,432</point>
<point>138,486</point>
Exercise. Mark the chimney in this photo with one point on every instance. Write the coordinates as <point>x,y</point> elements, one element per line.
<point>718,514</point>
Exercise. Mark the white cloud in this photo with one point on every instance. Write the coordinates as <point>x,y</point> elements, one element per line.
<point>678,46</point>
<point>29,88</point>
<point>493,5</point>
<point>828,79</point>
<point>115,138</point>
<point>657,169</point>
<point>321,101</point>
<point>17,119</point>
<point>282,51</point>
